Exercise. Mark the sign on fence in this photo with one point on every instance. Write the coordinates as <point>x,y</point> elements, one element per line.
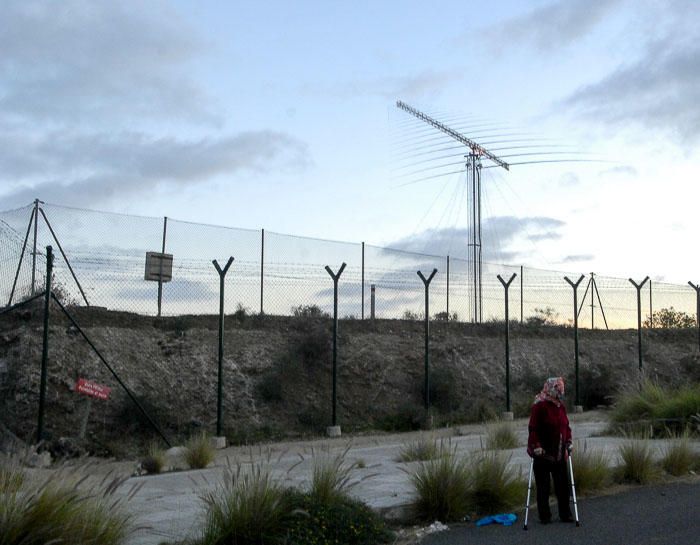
<point>92,389</point>
<point>159,267</point>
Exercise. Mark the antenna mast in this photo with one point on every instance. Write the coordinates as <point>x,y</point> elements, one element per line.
<point>473,167</point>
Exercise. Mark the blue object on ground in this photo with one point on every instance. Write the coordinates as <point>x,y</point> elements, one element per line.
<point>506,519</point>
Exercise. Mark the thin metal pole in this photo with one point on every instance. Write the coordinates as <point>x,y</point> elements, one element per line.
<point>45,347</point>
<point>481,297</point>
<point>639,317</point>
<point>262,268</point>
<point>160,273</point>
<point>651,308</point>
<point>447,309</point>
<point>363,281</point>
<point>592,306</point>
<point>335,277</point>
<point>65,257</point>
<point>21,256</point>
<point>426,283</point>
<point>36,226</point>
<point>575,286</point>
<point>220,389</point>
<point>506,285</point>
<point>697,307</point>
<point>600,305</point>
<point>521,294</point>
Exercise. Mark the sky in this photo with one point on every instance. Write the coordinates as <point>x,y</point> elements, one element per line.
<point>281,115</point>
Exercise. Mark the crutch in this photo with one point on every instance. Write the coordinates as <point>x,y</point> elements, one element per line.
<point>573,489</point>
<point>529,488</point>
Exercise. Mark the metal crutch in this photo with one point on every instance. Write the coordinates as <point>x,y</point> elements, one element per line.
<point>529,488</point>
<point>573,490</point>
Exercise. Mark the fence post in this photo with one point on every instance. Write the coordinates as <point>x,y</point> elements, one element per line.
<point>639,317</point>
<point>521,294</point>
<point>651,308</point>
<point>372,290</point>
<point>508,414</point>
<point>334,429</point>
<point>697,309</point>
<point>426,283</point>
<point>160,274</point>
<point>220,390</point>
<point>262,268</point>
<point>45,346</point>
<point>575,285</point>
<point>36,227</point>
<point>363,280</point>
<point>447,309</point>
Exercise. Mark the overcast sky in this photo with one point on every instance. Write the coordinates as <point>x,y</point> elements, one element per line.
<point>281,115</point>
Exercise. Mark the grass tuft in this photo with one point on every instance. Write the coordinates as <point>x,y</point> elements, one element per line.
<point>678,457</point>
<point>199,452</point>
<point>154,461</point>
<point>422,449</point>
<point>638,464</point>
<point>591,469</point>
<point>330,476</point>
<point>501,436</point>
<point>495,485</point>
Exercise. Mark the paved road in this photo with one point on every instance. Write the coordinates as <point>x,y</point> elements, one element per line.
<point>666,514</point>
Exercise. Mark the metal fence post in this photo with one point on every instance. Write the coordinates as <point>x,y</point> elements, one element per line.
<point>426,283</point>
<point>506,285</point>
<point>220,389</point>
<point>372,290</point>
<point>160,275</point>
<point>447,300</point>
<point>45,346</point>
<point>697,309</point>
<point>362,280</point>
<point>262,268</point>
<point>639,317</point>
<point>575,286</point>
<point>335,277</point>
<point>651,307</point>
<point>521,294</point>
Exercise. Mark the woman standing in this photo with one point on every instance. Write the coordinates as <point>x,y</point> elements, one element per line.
<point>549,444</point>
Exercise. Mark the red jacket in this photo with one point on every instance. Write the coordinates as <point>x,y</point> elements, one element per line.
<point>549,429</point>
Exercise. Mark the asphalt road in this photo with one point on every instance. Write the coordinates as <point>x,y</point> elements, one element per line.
<point>653,515</point>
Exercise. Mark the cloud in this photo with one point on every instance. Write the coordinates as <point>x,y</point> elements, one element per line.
<point>501,236</point>
<point>76,61</point>
<point>580,258</point>
<point>569,179</point>
<point>658,91</point>
<point>100,167</point>
<point>421,84</point>
<point>552,26</point>
<point>624,170</point>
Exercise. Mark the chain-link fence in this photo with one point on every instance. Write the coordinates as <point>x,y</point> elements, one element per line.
<point>100,261</point>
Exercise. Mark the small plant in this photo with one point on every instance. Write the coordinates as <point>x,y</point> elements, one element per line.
<point>679,457</point>
<point>11,476</point>
<point>408,417</point>
<point>591,469</point>
<point>501,436</point>
<point>249,508</point>
<point>495,484</point>
<point>154,461</point>
<point>442,488</point>
<point>199,452</point>
<point>420,450</point>
<point>637,461</point>
<point>330,476</point>
<point>411,315</point>
<point>309,311</point>
<point>543,316</point>
<point>667,318</point>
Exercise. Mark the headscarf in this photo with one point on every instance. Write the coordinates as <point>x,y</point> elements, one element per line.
<point>553,390</point>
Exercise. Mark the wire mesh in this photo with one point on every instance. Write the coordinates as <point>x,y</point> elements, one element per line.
<point>284,274</point>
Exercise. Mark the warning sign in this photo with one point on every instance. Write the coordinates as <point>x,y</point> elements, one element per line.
<point>92,389</point>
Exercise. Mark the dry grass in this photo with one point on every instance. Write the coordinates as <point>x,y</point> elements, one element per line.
<point>422,449</point>
<point>592,470</point>
<point>198,452</point>
<point>678,457</point>
<point>501,436</point>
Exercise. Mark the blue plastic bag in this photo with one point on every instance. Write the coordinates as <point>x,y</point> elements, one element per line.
<point>506,519</point>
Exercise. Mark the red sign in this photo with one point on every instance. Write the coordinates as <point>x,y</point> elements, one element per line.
<point>92,389</point>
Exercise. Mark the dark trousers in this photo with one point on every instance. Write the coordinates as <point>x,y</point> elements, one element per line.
<point>558,470</point>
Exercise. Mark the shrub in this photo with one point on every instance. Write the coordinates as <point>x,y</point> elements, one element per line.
<point>679,457</point>
<point>543,316</point>
<point>445,317</point>
<point>501,436</point>
<point>408,417</point>
<point>199,452</point>
<point>411,315</point>
<point>60,512</point>
<point>444,391</point>
<point>496,485</point>
<point>11,476</point>
<point>420,450</point>
<point>591,469</point>
<point>249,508</point>
<point>442,488</point>
<point>667,318</point>
<point>309,311</point>
<point>270,387</point>
<point>637,462</point>
<point>154,461</point>
<point>345,521</point>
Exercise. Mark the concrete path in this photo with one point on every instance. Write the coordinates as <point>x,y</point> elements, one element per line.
<point>170,505</point>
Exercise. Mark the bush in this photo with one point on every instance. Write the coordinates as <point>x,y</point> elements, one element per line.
<point>249,508</point>
<point>309,311</point>
<point>408,417</point>
<point>591,469</point>
<point>495,484</point>
<point>444,391</point>
<point>11,476</point>
<point>343,521</point>
<point>679,457</point>
<point>543,316</point>
<point>59,512</point>
<point>667,318</point>
<point>154,461</point>
<point>199,452</point>
<point>501,436</point>
<point>330,476</point>
<point>637,462</point>
<point>420,450</point>
<point>442,489</point>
